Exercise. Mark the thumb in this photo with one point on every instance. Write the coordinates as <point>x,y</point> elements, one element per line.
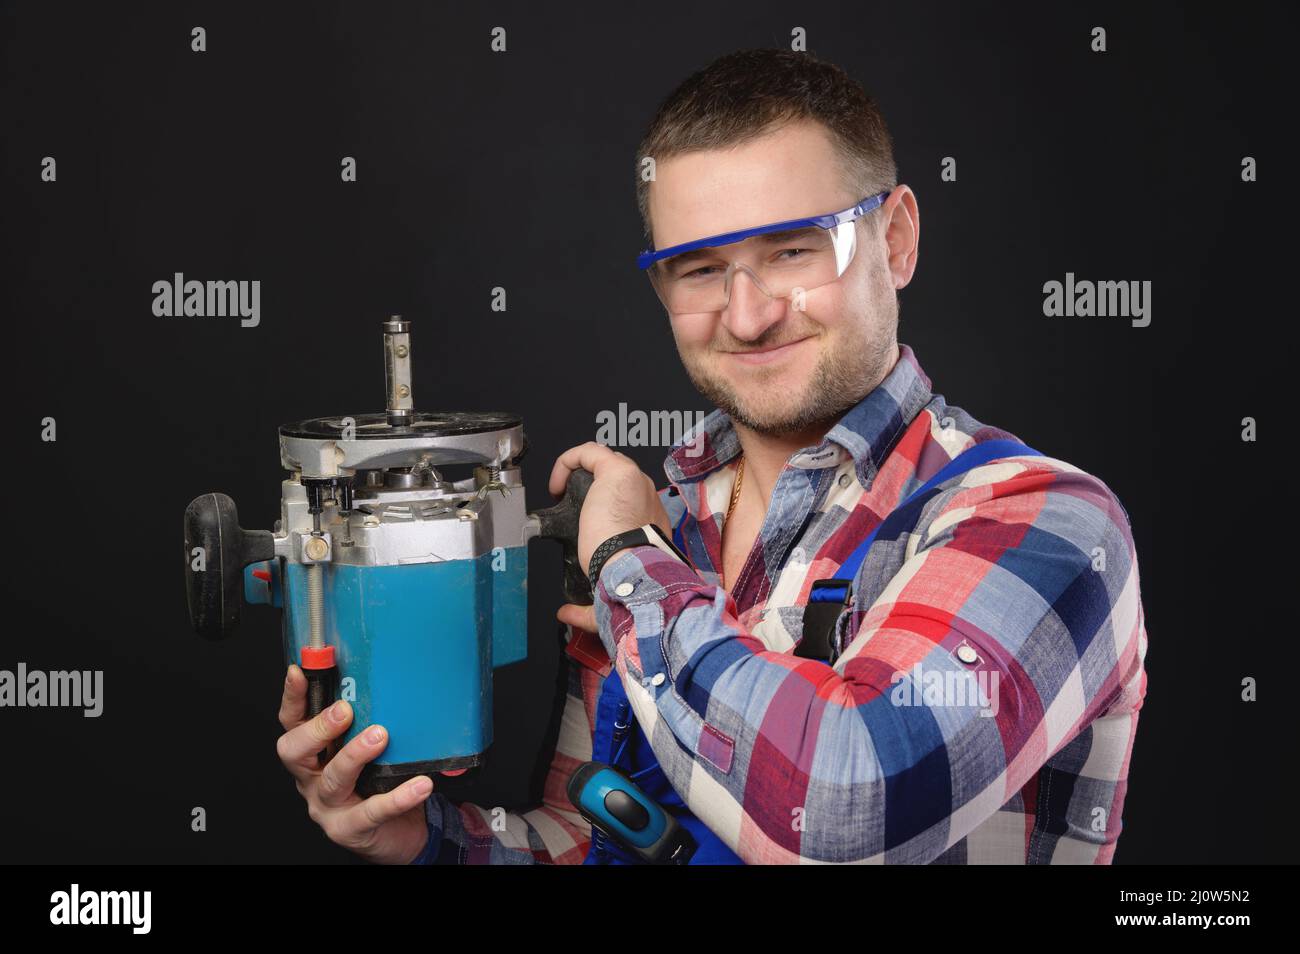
<point>579,617</point>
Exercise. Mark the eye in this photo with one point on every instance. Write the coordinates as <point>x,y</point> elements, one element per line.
<point>701,272</point>
<point>791,254</point>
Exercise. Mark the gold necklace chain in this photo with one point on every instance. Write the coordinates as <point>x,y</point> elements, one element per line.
<point>735,495</point>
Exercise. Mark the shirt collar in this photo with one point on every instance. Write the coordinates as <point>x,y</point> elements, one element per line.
<point>865,433</point>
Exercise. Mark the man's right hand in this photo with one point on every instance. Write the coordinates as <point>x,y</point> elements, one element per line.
<point>389,828</point>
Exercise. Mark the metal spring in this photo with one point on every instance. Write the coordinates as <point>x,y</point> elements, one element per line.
<point>315,606</point>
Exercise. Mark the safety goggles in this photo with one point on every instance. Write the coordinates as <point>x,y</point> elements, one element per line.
<point>784,259</point>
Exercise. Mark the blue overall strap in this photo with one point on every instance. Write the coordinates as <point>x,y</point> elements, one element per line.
<point>969,459</point>
<point>679,539</point>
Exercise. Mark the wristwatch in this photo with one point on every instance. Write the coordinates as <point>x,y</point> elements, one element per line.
<point>649,533</point>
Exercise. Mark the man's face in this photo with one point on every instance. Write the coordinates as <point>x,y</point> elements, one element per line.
<point>772,368</point>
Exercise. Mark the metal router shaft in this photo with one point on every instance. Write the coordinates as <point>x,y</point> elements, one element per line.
<point>397,371</point>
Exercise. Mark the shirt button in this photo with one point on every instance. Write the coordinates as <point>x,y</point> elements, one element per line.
<point>658,679</point>
<point>844,480</point>
<point>624,589</point>
<point>967,654</point>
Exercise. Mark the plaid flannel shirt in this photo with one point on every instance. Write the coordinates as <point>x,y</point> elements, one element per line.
<point>985,705</point>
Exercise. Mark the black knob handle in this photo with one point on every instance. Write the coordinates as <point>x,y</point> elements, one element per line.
<point>561,523</point>
<point>216,551</point>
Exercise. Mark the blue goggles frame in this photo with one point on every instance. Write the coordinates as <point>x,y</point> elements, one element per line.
<point>827,221</point>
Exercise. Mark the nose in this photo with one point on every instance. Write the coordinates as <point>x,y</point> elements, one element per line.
<point>750,310</point>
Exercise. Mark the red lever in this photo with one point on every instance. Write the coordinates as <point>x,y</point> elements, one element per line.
<point>263,575</point>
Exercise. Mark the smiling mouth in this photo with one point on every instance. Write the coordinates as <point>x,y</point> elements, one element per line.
<point>766,355</point>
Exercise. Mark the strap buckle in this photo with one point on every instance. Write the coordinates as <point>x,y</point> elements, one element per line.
<point>827,599</point>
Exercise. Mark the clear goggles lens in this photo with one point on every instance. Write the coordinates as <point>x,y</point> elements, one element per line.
<point>781,264</point>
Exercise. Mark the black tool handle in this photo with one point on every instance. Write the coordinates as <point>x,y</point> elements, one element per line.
<point>561,523</point>
<point>216,551</point>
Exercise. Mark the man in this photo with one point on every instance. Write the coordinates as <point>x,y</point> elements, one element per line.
<point>1018,576</point>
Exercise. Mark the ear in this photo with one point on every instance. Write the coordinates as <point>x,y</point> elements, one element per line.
<point>901,220</point>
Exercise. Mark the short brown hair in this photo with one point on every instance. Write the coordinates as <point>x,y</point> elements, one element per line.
<point>744,95</point>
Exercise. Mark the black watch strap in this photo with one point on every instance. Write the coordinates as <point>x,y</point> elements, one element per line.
<point>639,536</point>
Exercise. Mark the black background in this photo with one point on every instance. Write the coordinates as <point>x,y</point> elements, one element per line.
<point>479,169</point>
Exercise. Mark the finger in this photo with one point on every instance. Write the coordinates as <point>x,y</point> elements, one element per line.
<point>293,704</point>
<point>589,456</point>
<point>366,816</point>
<point>579,617</point>
<point>297,748</point>
<point>338,780</point>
